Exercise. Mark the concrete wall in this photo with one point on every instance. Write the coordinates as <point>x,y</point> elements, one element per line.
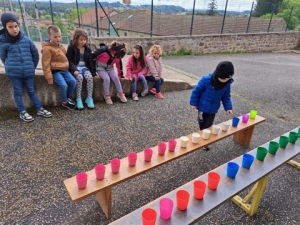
<point>49,94</point>
<point>205,44</point>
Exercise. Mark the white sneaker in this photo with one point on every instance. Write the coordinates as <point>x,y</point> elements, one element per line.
<point>144,92</point>
<point>108,100</point>
<point>122,97</point>
<point>135,97</point>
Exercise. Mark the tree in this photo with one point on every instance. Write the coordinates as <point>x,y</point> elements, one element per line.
<point>212,8</point>
<point>267,6</point>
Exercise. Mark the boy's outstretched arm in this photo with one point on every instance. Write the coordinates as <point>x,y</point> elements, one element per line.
<point>46,62</point>
<point>226,101</point>
<point>196,93</point>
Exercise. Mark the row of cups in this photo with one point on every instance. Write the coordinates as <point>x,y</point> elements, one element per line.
<point>149,215</point>
<point>115,163</point>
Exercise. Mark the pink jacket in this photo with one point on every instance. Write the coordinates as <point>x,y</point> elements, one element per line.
<point>155,66</point>
<point>103,58</point>
<point>130,71</point>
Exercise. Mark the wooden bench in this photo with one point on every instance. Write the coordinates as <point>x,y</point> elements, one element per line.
<point>103,188</point>
<point>227,188</point>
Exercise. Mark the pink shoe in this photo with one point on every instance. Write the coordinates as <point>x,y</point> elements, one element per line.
<point>153,90</point>
<point>159,95</point>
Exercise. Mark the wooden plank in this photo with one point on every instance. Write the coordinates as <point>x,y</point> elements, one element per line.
<point>127,172</point>
<point>226,189</point>
<point>244,136</point>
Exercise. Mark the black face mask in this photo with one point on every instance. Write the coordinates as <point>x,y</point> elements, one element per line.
<point>218,85</point>
<point>12,39</point>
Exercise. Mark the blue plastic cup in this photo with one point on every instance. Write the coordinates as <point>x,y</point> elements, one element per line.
<point>247,161</point>
<point>235,121</point>
<point>232,169</point>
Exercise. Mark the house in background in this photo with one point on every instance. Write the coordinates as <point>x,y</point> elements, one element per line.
<point>137,23</point>
<point>88,20</point>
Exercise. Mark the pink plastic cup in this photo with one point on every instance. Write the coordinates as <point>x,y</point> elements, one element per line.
<point>182,199</point>
<point>165,208</point>
<point>213,180</point>
<point>161,148</point>
<point>245,118</point>
<point>148,154</point>
<point>132,157</point>
<point>149,216</point>
<point>199,189</point>
<point>172,145</point>
<point>81,179</point>
<point>115,165</point>
<point>100,171</point>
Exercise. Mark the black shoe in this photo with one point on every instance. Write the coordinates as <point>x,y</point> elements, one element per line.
<point>206,148</point>
<point>71,101</point>
<point>68,105</point>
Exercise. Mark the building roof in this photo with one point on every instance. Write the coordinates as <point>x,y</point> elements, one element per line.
<point>167,25</point>
<point>89,17</point>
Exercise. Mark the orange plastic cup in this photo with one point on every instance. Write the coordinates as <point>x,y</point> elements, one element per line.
<point>199,189</point>
<point>182,199</point>
<point>213,180</point>
<point>149,216</point>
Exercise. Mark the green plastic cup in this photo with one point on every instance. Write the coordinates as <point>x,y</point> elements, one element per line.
<point>283,141</point>
<point>261,153</point>
<point>253,114</point>
<point>273,147</point>
<point>293,137</point>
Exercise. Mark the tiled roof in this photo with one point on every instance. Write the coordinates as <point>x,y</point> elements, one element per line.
<point>89,17</point>
<point>164,25</point>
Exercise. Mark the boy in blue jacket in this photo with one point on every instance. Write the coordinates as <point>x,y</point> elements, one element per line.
<point>210,91</point>
<point>20,58</point>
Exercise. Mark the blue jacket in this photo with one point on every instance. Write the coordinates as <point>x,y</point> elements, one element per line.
<point>207,99</point>
<point>21,58</point>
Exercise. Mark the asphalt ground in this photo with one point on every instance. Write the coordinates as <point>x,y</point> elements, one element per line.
<point>36,157</point>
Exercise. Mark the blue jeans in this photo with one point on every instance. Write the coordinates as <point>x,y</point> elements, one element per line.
<point>157,83</point>
<point>136,79</point>
<point>66,83</point>
<point>18,84</point>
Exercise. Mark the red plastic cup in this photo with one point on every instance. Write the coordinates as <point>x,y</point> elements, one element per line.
<point>213,180</point>
<point>81,179</point>
<point>100,171</point>
<point>172,145</point>
<point>182,199</point>
<point>148,154</point>
<point>132,157</point>
<point>115,165</point>
<point>149,216</point>
<point>165,208</point>
<point>199,189</point>
<point>161,148</point>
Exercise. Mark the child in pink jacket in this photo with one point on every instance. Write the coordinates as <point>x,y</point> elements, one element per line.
<point>106,57</point>
<point>155,70</point>
<point>136,69</point>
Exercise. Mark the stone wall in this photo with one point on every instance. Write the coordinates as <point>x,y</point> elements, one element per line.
<point>207,44</point>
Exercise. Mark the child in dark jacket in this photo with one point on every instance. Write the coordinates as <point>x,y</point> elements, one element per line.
<point>14,49</point>
<point>210,91</point>
<point>81,65</point>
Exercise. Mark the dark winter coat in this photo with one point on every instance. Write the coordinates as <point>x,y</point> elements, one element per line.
<point>207,99</point>
<point>20,58</point>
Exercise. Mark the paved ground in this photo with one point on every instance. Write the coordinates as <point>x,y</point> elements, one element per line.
<point>37,157</point>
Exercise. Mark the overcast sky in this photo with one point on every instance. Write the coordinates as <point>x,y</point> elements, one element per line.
<point>188,4</point>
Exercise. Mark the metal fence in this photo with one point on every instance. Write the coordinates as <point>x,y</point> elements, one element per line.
<point>140,18</point>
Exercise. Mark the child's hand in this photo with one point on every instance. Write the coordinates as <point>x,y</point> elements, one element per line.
<point>157,78</point>
<point>193,107</point>
<point>76,73</point>
<point>50,81</point>
<point>230,112</point>
<point>97,77</point>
